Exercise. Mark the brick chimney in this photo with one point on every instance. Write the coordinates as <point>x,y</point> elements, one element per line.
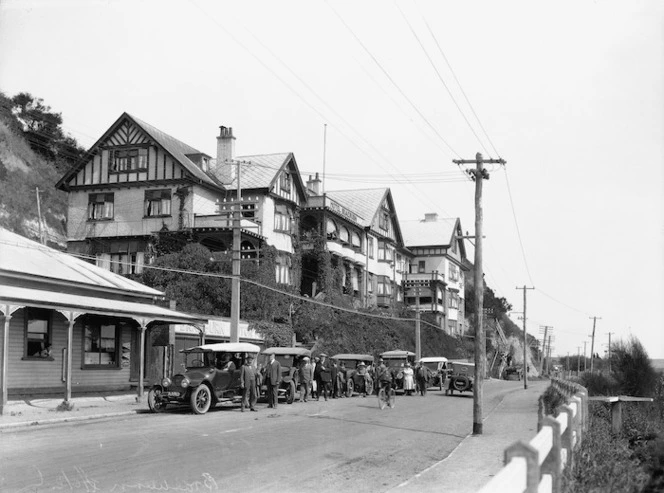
<point>225,170</point>
<point>313,185</point>
<point>430,217</point>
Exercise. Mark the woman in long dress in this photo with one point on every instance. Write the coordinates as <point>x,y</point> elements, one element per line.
<point>408,380</point>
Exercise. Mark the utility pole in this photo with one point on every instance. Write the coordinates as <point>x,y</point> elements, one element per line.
<point>578,360</point>
<point>585,365</point>
<point>546,330</point>
<point>548,357</point>
<point>418,344</point>
<point>237,260</point>
<point>610,351</point>
<point>478,175</point>
<point>592,344</point>
<point>525,340</point>
<point>41,226</point>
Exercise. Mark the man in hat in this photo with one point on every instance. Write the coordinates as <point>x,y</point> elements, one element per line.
<point>272,380</point>
<point>362,372</point>
<point>248,384</point>
<point>324,377</point>
<point>306,375</point>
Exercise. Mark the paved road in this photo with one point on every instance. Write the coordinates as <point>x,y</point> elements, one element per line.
<point>339,445</point>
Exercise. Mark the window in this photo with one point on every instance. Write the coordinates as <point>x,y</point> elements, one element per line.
<point>100,206</point>
<point>157,203</point>
<point>129,159</point>
<point>454,301</point>
<point>282,274</point>
<point>38,328</point>
<point>285,182</point>
<point>356,241</point>
<point>384,219</point>
<point>381,250</point>
<point>370,283</point>
<point>122,263</point>
<point>454,244</point>
<point>452,326</point>
<point>370,246</point>
<point>331,230</point>
<point>384,286</point>
<point>344,235</point>
<point>420,267</point>
<point>282,222</point>
<point>100,343</point>
<point>454,272</point>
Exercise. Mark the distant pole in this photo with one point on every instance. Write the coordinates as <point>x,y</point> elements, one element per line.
<point>525,340</point>
<point>578,360</point>
<point>592,344</point>
<point>546,330</point>
<point>418,344</point>
<point>324,154</point>
<point>479,174</point>
<point>548,356</point>
<point>585,365</point>
<point>41,228</point>
<point>610,351</point>
<point>235,282</point>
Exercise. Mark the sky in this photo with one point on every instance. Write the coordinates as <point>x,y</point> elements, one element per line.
<point>387,94</point>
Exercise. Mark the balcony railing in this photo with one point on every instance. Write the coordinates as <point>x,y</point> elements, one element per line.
<point>424,277</point>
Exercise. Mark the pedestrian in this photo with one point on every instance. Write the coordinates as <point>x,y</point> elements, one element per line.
<point>324,377</point>
<point>408,380</point>
<point>364,378</point>
<point>306,375</point>
<point>334,371</point>
<point>272,380</point>
<point>423,377</point>
<point>341,379</point>
<point>248,384</point>
<point>314,381</point>
<point>384,377</point>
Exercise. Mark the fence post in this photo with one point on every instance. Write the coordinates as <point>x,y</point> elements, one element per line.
<point>540,412</point>
<point>566,438</point>
<point>578,419</point>
<point>531,455</point>
<point>616,416</point>
<point>552,464</point>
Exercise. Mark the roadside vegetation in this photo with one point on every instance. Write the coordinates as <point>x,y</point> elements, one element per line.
<point>632,461</point>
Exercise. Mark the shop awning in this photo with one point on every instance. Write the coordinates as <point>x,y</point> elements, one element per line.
<point>10,295</point>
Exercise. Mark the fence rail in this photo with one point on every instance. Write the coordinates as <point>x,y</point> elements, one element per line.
<point>537,466</point>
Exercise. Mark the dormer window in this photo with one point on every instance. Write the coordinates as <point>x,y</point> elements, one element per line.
<point>123,160</point>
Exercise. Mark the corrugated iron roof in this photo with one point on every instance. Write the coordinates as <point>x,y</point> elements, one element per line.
<point>20,255</point>
<point>365,203</point>
<point>428,233</point>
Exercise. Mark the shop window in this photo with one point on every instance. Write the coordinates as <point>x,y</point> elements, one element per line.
<point>157,203</point>
<point>101,342</point>
<point>38,329</point>
<point>100,206</point>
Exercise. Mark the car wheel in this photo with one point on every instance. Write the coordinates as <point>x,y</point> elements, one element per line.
<point>349,387</point>
<point>155,403</point>
<point>290,393</point>
<point>200,399</point>
<point>370,387</point>
<point>461,383</point>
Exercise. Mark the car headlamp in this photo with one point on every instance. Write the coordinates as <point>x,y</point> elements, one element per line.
<point>165,382</point>
<point>184,383</point>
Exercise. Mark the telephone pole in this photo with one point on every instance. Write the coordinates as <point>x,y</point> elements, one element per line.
<point>41,226</point>
<point>610,351</point>
<point>585,365</point>
<point>592,343</point>
<point>546,330</point>
<point>578,360</point>
<point>478,175</point>
<point>525,340</point>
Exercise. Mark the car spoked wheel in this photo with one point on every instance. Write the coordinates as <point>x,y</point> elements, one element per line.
<point>370,387</point>
<point>382,402</point>
<point>155,403</point>
<point>201,399</point>
<point>290,393</point>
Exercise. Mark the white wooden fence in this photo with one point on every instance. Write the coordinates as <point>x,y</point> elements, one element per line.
<point>537,466</point>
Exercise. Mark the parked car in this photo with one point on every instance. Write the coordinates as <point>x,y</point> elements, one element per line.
<point>354,382</point>
<point>461,377</point>
<point>439,370</point>
<point>211,375</point>
<point>290,359</point>
<point>396,361</point>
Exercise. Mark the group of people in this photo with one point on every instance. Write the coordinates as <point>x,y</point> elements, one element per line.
<point>325,377</point>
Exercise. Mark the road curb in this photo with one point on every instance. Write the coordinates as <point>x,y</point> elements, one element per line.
<point>40,422</point>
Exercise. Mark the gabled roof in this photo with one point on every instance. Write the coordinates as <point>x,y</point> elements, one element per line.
<point>366,204</point>
<point>20,256</point>
<point>429,233</point>
<point>176,148</point>
<point>262,171</point>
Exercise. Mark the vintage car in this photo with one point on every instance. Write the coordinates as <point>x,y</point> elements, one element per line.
<point>396,361</point>
<point>211,375</point>
<point>352,380</point>
<point>438,367</point>
<point>290,359</point>
<point>461,377</point>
